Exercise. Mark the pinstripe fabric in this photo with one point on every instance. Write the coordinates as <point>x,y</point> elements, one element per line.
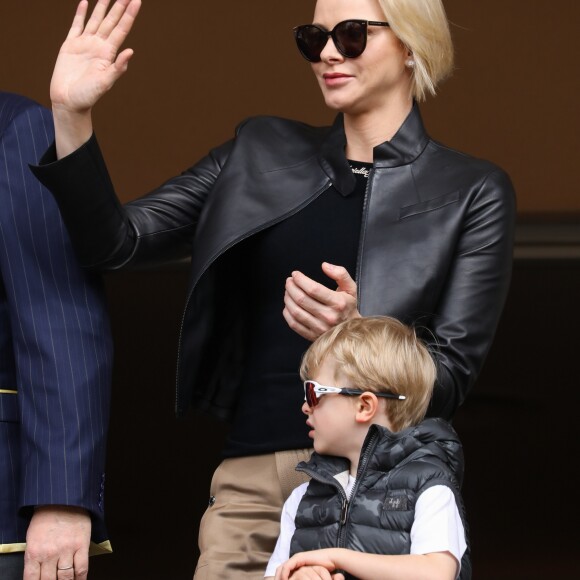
<point>55,345</point>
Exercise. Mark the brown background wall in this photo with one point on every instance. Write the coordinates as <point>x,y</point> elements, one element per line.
<point>195,75</point>
<point>201,67</point>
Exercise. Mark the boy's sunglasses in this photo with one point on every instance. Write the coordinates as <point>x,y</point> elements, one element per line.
<point>313,391</point>
<point>349,36</point>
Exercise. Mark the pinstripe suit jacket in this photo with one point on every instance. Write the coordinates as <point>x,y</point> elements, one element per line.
<point>55,345</point>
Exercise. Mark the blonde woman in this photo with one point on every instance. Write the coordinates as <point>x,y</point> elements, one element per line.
<point>315,225</point>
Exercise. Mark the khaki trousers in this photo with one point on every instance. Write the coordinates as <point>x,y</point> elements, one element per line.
<point>240,527</point>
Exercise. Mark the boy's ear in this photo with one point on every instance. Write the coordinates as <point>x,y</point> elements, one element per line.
<point>367,406</point>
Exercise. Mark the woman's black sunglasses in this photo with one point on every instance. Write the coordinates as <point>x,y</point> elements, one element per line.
<point>349,37</point>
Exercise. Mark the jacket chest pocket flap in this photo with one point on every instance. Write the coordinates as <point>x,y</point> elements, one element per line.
<point>428,205</point>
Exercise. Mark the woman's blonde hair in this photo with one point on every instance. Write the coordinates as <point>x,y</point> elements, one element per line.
<point>379,354</point>
<point>422,26</point>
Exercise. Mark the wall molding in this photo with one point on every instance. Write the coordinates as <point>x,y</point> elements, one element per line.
<point>547,236</point>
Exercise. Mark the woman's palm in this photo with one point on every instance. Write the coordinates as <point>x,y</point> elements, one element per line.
<point>88,63</point>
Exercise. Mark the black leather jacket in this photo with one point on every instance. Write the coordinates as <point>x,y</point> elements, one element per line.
<point>435,247</point>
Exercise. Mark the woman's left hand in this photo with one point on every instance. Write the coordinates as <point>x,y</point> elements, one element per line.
<point>310,308</point>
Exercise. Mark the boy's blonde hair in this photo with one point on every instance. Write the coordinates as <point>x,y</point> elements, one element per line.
<point>379,354</point>
<point>422,26</point>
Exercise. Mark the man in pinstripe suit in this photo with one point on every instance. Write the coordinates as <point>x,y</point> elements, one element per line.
<point>55,366</point>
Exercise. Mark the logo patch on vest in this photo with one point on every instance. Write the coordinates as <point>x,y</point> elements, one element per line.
<point>396,504</point>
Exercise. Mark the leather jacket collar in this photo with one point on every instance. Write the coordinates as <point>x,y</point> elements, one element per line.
<point>405,146</point>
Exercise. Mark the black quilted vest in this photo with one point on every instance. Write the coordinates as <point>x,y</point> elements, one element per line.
<point>394,469</point>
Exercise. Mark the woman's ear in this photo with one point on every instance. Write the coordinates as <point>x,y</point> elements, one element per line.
<point>409,57</point>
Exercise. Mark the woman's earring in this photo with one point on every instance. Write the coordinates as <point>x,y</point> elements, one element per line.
<point>410,62</point>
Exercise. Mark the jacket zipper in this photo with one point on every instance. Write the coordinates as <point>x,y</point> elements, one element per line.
<point>214,258</point>
<point>363,233</point>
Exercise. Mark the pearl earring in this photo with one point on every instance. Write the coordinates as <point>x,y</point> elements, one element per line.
<point>410,63</point>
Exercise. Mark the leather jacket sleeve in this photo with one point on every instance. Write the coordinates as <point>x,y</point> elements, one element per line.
<point>150,230</point>
<point>474,293</point>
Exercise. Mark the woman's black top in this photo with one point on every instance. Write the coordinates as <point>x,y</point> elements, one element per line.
<point>268,416</point>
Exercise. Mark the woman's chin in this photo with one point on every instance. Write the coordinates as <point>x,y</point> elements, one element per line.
<point>336,101</point>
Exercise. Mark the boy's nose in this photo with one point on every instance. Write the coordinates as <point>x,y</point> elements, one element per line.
<point>306,409</point>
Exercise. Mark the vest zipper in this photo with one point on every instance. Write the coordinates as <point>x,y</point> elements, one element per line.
<point>339,488</point>
<point>344,511</point>
<point>362,466</point>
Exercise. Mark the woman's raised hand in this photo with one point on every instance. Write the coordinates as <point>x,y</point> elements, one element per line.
<point>88,65</point>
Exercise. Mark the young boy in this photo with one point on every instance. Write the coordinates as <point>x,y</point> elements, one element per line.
<point>384,499</point>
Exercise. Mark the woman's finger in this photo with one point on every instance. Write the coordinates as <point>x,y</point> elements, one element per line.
<point>78,23</point>
<point>124,25</point>
<point>97,16</point>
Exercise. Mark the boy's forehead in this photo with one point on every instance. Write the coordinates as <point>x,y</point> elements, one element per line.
<point>329,373</point>
<point>327,367</point>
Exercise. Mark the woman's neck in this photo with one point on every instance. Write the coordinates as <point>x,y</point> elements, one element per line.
<point>367,130</point>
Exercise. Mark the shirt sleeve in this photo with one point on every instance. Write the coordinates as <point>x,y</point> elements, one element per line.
<point>287,527</point>
<point>438,526</point>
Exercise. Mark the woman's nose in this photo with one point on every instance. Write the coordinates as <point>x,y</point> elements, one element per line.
<point>330,52</point>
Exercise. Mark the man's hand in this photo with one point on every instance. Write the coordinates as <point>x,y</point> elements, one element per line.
<point>310,308</point>
<point>57,544</point>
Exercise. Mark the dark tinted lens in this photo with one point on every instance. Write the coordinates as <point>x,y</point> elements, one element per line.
<point>351,38</point>
<point>311,397</point>
<point>311,41</point>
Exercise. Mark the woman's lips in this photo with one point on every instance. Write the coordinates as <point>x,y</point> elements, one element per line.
<point>335,79</point>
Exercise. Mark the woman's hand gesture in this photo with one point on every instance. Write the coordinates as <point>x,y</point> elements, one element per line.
<point>310,309</point>
<point>88,63</point>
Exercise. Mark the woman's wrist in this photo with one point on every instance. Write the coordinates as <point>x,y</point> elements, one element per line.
<point>72,129</point>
